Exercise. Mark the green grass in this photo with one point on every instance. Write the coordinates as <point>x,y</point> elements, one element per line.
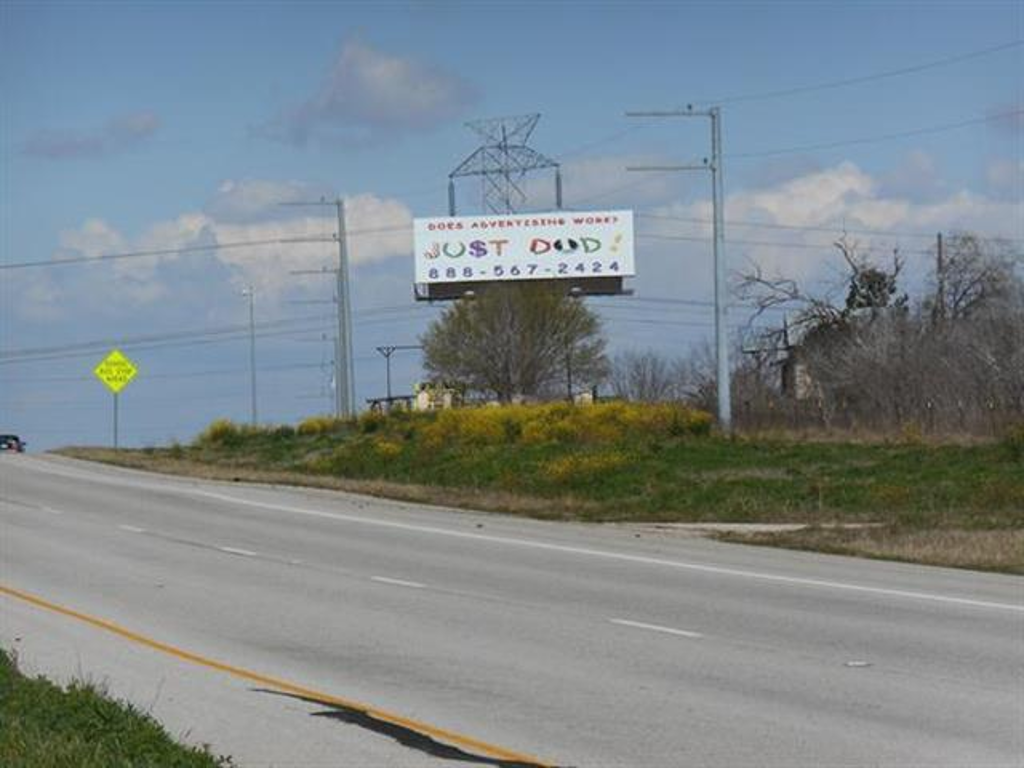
<point>659,477</point>
<point>627,463</point>
<point>44,726</point>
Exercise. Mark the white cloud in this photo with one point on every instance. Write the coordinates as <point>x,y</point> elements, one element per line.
<point>118,134</point>
<point>247,200</point>
<point>369,94</point>
<point>94,238</point>
<point>829,201</point>
<point>916,178</point>
<point>1006,178</point>
<point>239,212</point>
<point>380,229</point>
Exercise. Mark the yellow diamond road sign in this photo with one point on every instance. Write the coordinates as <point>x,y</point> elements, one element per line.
<point>116,371</point>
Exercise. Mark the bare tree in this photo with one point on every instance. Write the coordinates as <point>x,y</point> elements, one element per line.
<point>954,362</point>
<point>517,340</point>
<point>644,376</point>
<point>975,273</point>
<point>870,288</point>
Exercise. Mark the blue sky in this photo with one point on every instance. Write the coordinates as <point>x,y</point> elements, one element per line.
<point>163,125</point>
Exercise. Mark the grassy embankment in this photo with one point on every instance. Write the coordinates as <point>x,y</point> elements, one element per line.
<point>44,726</point>
<point>948,504</point>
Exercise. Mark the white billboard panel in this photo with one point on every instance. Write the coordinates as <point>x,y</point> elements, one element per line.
<point>533,246</point>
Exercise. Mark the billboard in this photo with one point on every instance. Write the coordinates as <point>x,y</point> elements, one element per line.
<point>534,246</point>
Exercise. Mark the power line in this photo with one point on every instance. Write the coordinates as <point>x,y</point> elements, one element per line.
<point>192,249</point>
<point>846,82</point>
<point>875,139</point>
<point>777,244</point>
<point>160,252</point>
<point>177,375</point>
<point>127,341</point>
<point>811,148</point>
<point>196,342</point>
<point>157,337</point>
<point>835,229</point>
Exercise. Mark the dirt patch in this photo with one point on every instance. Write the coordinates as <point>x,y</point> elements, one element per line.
<point>978,550</point>
<point>487,500</point>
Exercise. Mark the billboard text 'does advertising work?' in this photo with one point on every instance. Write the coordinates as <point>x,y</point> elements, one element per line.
<point>535,246</point>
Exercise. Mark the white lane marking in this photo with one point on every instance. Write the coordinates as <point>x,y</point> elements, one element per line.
<point>236,551</point>
<point>398,582</point>
<point>563,548</point>
<point>52,511</point>
<point>132,528</point>
<point>655,628</point>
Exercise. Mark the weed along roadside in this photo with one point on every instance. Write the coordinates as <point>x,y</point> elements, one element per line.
<point>42,725</point>
<point>945,504</point>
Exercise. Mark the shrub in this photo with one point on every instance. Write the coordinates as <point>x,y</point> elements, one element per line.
<point>598,424</point>
<point>386,450</point>
<point>1014,441</point>
<point>319,425</point>
<point>220,432</point>
<point>371,421</point>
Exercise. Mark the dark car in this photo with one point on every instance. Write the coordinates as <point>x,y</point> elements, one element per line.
<point>12,443</point>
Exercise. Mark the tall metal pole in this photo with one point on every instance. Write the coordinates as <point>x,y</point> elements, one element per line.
<point>252,354</point>
<point>344,373</point>
<point>721,276</point>
<point>339,399</point>
<point>568,372</point>
<point>115,421</point>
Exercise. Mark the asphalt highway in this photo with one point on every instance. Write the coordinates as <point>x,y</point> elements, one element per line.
<point>292,627</point>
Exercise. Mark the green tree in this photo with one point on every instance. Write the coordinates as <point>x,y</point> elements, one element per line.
<point>518,339</point>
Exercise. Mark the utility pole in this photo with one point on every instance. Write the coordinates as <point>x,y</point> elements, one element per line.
<point>940,280</point>
<point>344,374</point>
<point>250,293</point>
<point>568,371</point>
<point>387,351</point>
<point>717,196</point>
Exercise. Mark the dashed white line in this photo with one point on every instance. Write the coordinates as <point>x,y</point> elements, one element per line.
<point>656,628</point>
<point>52,511</point>
<point>398,582</point>
<point>132,529</point>
<point>236,551</point>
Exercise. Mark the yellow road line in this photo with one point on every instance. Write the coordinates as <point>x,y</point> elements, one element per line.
<point>451,737</point>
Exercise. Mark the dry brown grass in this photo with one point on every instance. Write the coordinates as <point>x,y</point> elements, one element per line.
<point>959,535</point>
<point>979,550</point>
<point>478,499</point>
<point>857,436</point>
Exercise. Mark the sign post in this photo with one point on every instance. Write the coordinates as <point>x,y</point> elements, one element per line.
<point>115,371</point>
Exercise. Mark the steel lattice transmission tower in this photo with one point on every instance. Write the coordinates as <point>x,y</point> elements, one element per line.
<point>502,161</point>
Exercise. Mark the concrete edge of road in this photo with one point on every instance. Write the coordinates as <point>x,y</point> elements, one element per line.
<point>287,687</point>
